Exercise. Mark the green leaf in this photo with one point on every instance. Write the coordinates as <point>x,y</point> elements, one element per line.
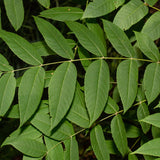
<point>30,158</point>
<point>151,81</point>
<point>4,65</point>
<point>48,76</point>
<point>118,3</point>
<point>96,29</point>
<point>41,121</point>
<point>152,26</point>
<point>42,48</point>
<point>142,110</point>
<point>147,46</point>
<point>78,113</point>
<point>83,54</point>
<point>61,91</point>
<point>151,2</point>
<point>119,134</point>
<point>111,106</point>
<point>21,48</point>
<point>150,148</point>
<point>30,92</point>
<point>88,39</point>
<point>127,81</point>
<point>44,3</point>
<point>153,119</point>
<point>13,112</point>
<point>54,38</point>
<point>63,13</point>
<point>7,91</point>
<point>15,12</point>
<point>132,131</point>
<point>118,39</point>
<point>130,13</point>
<point>24,132</point>
<point>29,147</point>
<point>97,85</point>
<point>98,143</point>
<point>111,148</point>
<point>155,132</point>
<point>54,148</point>
<point>99,8</point>
<point>71,152</point>
<point>132,157</point>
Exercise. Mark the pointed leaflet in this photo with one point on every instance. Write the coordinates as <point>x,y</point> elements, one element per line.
<point>7,91</point>
<point>127,82</point>
<point>142,110</point>
<point>98,143</point>
<point>150,148</point>
<point>96,29</point>
<point>151,81</point>
<point>119,134</point>
<point>152,26</point>
<point>4,65</point>
<point>21,48</point>
<point>147,46</point>
<point>54,38</point>
<point>15,12</point>
<point>152,119</point>
<point>97,85</point>
<point>63,13</point>
<point>44,3</point>
<point>54,149</point>
<point>61,91</point>
<point>71,149</point>
<point>99,8</point>
<point>111,106</point>
<point>78,113</point>
<point>130,13</point>
<point>88,39</point>
<point>118,39</point>
<point>29,147</point>
<point>30,92</point>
